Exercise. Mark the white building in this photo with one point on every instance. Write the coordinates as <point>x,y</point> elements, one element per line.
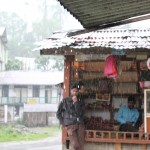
<point>3,52</point>
<point>30,91</point>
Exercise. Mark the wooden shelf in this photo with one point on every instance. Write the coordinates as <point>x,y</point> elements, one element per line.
<point>102,100</point>
<point>98,109</point>
<point>125,82</point>
<point>126,94</point>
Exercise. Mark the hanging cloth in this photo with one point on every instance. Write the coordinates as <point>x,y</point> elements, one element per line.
<point>110,68</point>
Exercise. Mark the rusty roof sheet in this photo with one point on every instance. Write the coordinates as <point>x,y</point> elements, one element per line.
<point>110,38</point>
<point>106,13</point>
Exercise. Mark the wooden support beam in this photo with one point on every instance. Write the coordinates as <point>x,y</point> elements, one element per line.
<point>67,76</point>
<point>143,147</point>
<point>118,146</point>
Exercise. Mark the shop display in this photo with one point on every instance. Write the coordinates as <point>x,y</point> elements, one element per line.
<point>104,96</point>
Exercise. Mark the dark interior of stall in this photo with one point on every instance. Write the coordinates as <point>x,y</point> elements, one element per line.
<point>103,95</point>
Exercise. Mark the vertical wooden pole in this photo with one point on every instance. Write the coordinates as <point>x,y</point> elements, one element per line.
<point>144,147</point>
<point>67,77</point>
<point>138,75</point>
<point>118,146</point>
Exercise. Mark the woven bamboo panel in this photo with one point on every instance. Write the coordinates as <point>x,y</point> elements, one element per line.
<point>127,77</point>
<point>125,88</point>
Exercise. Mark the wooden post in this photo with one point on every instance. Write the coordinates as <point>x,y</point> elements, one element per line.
<point>118,146</point>
<point>67,74</point>
<point>144,147</point>
<point>67,77</point>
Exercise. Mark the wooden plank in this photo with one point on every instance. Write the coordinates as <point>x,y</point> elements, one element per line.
<point>143,147</point>
<point>118,146</point>
<point>148,124</point>
<point>67,74</point>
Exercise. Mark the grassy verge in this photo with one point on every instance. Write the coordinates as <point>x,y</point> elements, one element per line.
<point>53,128</point>
<point>8,133</point>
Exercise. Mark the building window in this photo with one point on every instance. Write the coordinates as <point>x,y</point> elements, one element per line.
<point>54,97</point>
<point>5,91</point>
<point>36,91</point>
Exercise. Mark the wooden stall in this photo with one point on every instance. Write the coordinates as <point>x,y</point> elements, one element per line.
<point>103,97</point>
<point>84,60</point>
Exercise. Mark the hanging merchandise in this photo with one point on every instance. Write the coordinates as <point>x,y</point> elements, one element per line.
<point>148,63</point>
<point>118,51</point>
<point>110,68</point>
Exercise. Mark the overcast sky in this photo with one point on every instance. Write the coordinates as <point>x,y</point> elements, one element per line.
<point>21,7</point>
<point>28,10</point>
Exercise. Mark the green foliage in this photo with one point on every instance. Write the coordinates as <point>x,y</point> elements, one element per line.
<point>14,64</point>
<point>52,128</point>
<point>47,63</point>
<point>42,63</point>
<point>20,41</point>
<point>48,23</point>
<point>20,121</point>
<point>44,28</point>
<point>59,65</point>
<point>9,133</point>
<point>16,29</point>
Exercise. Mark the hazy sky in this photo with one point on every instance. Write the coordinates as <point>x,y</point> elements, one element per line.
<point>22,7</point>
<point>28,10</point>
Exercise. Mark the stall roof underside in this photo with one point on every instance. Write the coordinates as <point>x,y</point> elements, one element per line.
<point>107,13</point>
<point>96,42</point>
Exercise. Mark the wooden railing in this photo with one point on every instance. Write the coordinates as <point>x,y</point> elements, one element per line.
<point>117,137</point>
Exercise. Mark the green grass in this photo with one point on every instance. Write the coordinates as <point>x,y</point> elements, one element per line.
<point>53,128</point>
<point>8,133</point>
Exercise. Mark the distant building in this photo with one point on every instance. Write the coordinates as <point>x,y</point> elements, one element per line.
<point>3,52</point>
<point>30,91</point>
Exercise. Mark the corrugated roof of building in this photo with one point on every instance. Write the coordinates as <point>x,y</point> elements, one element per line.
<point>110,38</point>
<point>31,78</point>
<point>107,13</point>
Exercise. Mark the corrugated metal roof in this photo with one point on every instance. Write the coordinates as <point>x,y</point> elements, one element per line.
<point>110,38</point>
<point>31,78</point>
<point>96,13</point>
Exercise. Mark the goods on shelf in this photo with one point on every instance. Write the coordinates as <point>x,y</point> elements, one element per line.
<point>97,123</point>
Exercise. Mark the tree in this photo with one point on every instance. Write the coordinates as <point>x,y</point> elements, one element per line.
<point>52,20</point>
<point>42,63</point>
<point>47,63</point>
<point>58,64</point>
<point>20,41</point>
<point>16,29</point>
<point>14,64</point>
